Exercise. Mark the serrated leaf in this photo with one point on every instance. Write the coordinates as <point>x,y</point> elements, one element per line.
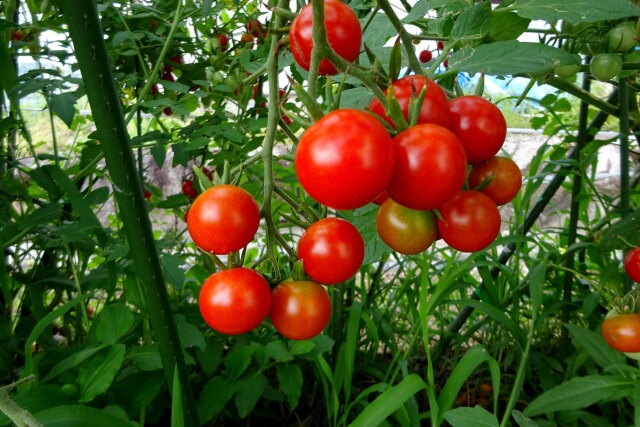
<point>290,378</point>
<point>473,23</point>
<point>113,322</point>
<point>471,417</point>
<point>215,395</point>
<point>575,11</point>
<point>249,390</point>
<point>509,57</point>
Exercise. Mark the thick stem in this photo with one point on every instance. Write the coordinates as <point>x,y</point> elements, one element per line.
<point>407,39</point>
<point>625,189</point>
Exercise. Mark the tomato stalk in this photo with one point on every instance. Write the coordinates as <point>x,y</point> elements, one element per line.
<point>583,95</point>
<point>406,38</point>
<point>625,189</point>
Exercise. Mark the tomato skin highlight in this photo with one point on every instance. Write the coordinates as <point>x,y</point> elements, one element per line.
<point>430,167</point>
<point>345,159</point>
<point>435,106</point>
<point>631,264</point>
<point>479,125</point>
<point>622,332</point>
<point>223,219</point>
<point>300,309</point>
<point>470,221</point>
<point>235,301</point>
<point>343,33</point>
<point>506,182</point>
<point>405,230</point>
<point>331,250</point>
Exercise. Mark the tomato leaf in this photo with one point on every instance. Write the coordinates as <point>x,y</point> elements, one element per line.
<point>522,420</point>
<point>628,227</point>
<point>290,378</point>
<point>579,393</point>
<point>473,23</point>
<point>79,416</point>
<point>507,26</point>
<point>595,345</point>
<point>250,388</point>
<point>79,356</point>
<point>471,417</point>
<point>112,323</point>
<point>190,334</point>
<point>509,57</point>
<point>215,396</point>
<point>276,350</point>
<point>537,276</point>
<point>138,390</point>
<point>576,11</point>
<point>64,105</point>
<point>238,359</point>
<point>146,358</point>
<point>418,11</point>
<point>96,376</point>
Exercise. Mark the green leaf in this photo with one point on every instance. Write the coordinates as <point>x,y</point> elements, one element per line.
<point>471,417</point>
<point>238,359</point>
<point>497,314</point>
<point>138,390</point>
<point>172,269</point>
<point>210,358</point>
<point>507,26</point>
<point>579,393</point>
<point>113,322</point>
<point>389,401</point>
<point>522,420</point>
<point>627,227</point>
<point>473,23</point>
<point>418,11</point>
<point>537,276</point>
<point>80,416</point>
<point>146,358</point>
<point>509,57</point>
<point>249,390</point>
<point>177,416</point>
<point>276,350</point>
<point>300,347</point>
<point>576,11</point>
<point>190,334</point>
<point>96,376</point>
<point>64,105</point>
<point>75,359</point>
<point>215,396</point>
<point>364,219</point>
<point>290,378</point>
<point>595,345</point>
<point>37,399</point>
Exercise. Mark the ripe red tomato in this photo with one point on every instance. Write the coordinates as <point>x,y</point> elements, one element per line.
<point>168,77</point>
<point>425,56</point>
<point>430,167</point>
<point>224,41</point>
<point>480,126</point>
<point>435,106</point>
<point>234,301</point>
<point>147,194</point>
<point>343,33</point>
<point>506,182</point>
<point>246,38</point>
<point>405,230</point>
<point>440,45</point>
<point>622,332</point>
<point>17,35</point>
<point>189,189</point>
<point>331,250</point>
<point>223,219</point>
<point>345,159</point>
<point>167,111</point>
<point>470,221</point>
<point>255,28</point>
<point>154,89</point>
<point>300,310</point>
<point>632,264</point>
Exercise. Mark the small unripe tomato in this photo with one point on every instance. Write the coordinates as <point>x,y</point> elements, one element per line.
<point>605,66</point>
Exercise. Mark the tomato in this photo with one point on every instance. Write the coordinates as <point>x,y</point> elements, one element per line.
<point>430,167</point>
<point>345,159</point>
<point>405,230</point>
<point>17,35</point>
<point>246,38</point>
<point>605,66</point>
<point>168,77</point>
<point>189,189</point>
<point>223,42</point>
<point>440,45</point>
<point>480,126</point>
<point>470,221</point>
<point>234,301</point>
<point>331,250</point>
<point>300,309</point>
<point>425,56</point>
<point>147,194</point>
<point>622,37</point>
<point>566,71</point>
<point>435,106</point>
<point>632,264</point>
<point>380,198</point>
<point>506,182</point>
<point>167,111</point>
<point>154,89</point>
<point>343,33</point>
<point>223,219</point>
<point>622,332</point>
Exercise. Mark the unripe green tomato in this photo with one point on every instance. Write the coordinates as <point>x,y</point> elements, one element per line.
<point>622,37</point>
<point>566,71</point>
<point>605,66</point>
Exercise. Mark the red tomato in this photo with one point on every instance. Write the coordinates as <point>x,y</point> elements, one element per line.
<point>224,41</point>
<point>189,189</point>
<point>343,33</point>
<point>435,106</point>
<point>622,332</point>
<point>223,219</point>
<point>380,198</point>
<point>480,126</point>
<point>405,230</point>
<point>470,221</point>
<point>246,38</point>
<point>168,77</point>
<point>632,264</point>
<point>147,194</point>
<point>300,310</point>
<point>345,159</point>
<point>154,89</point>
<point>234,301</point>
<point>506,182</point>
<point>331,250</point>
<point>426,56</point>
<point>430,167</point>
<point>168,111</point>
<point>440,45</point>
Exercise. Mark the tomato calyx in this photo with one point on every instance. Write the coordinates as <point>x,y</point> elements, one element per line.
<point>297,271</point>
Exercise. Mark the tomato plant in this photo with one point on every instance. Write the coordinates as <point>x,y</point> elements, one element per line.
<point>622,332</point>
<point>506,179</point>
<point>345,159</point>
<point>223,219</point>
<point>479,125</point>
<point>235,301</point>
<point>343,33</point>
<point>631,264</point>
<point>435,106</point>
<point>622,37</point>
<point>430,167</point>
<point>470,221</point>
<point>331,250</point>
<point>425,56</point>
<point>405,230</point>
<point>605,66</point>
<point>300,309</point>
<point>189,189</point>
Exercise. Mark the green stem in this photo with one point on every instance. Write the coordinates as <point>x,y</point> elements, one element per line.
<point>15,413</point>
<point>407,39</point>
<point>93,61</point>
<point>584,95</point>
<point>625,189</point>
<point>520,376</point>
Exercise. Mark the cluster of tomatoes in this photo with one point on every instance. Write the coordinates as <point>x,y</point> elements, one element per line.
<point>622,331</point>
